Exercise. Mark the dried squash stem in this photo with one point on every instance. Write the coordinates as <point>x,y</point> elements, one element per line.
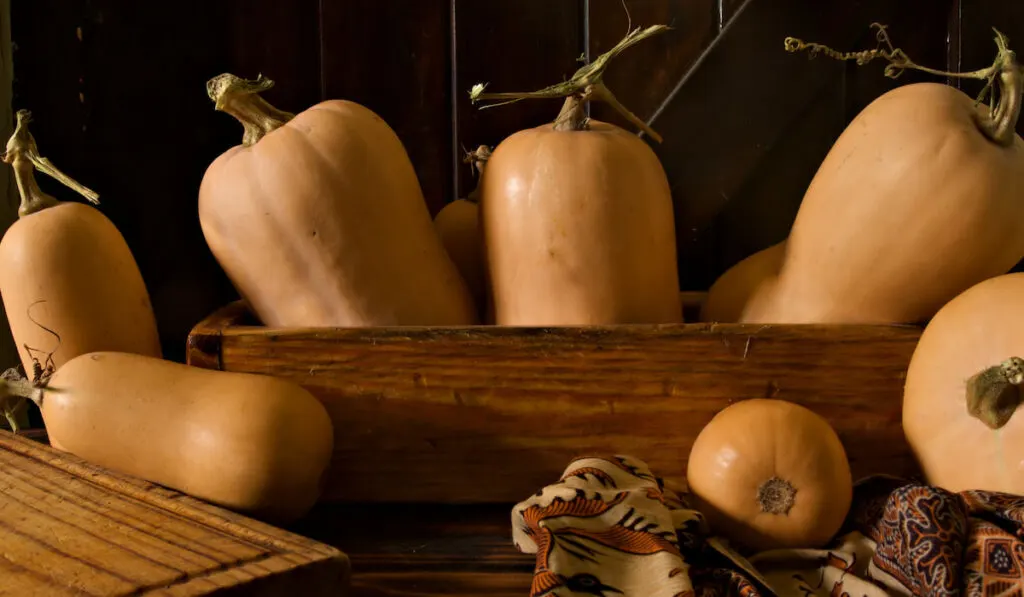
<point>23,156</point>
<point>477,159</point>
<point>241,98</point>
<point>994,394</point>
<point>585,85</point>
<point>1005,75</point>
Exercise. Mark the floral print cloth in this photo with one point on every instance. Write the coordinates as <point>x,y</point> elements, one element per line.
<point>610,528</point>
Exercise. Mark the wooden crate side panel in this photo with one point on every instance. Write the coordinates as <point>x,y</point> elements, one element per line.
<point>442,409</point>
<point>70,527</point>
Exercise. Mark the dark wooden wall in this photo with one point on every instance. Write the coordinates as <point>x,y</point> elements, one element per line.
<point>117,89</point>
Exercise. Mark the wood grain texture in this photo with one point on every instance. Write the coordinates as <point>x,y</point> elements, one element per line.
<point>393,58</point>
<point>514,45</point>
<point>425,549</point>
<point>427,413</point>
<point>70,528</point>
<point>642,77</point>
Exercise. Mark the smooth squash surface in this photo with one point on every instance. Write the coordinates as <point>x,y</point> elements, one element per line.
<point>319,220</point>
<point>728,296</point>
<point>64,266</point>
<point>771,474</point>
<point>963,427</point>
<point>458,226</point>
<point>918,200</point>
<point>577,215</point>
<point>579,229</point>
<point>251,443</point>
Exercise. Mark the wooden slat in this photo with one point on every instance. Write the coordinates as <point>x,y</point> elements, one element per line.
<point>72,528</point>
<point>642,77</point>
<point>490,414</point>
<point>425,549</point>
<point>393,58</point>
<point>515,45</point>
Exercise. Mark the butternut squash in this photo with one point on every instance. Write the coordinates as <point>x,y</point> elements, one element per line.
<point>917,201</point>
<point>458,225</point>
<point>577,215</point>
<point>69,282</point>
<point>963,389</point>
<point>318,218</point>
<point>251,443</point>
<point>771,474</point>
<point>728,296</point>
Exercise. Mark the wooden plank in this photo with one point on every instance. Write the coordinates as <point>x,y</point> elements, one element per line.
<point>393,58</point>
<point>647,73</point>
<point>426,549</point>
<point>490,414</point>
<point>514,45</point>
<point>73,528</point>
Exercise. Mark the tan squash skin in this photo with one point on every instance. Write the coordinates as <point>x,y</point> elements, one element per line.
<point>728,296</point>
<point>458,226</point>
<point>321,222</point>
<point>250,443</point>
<point>978,329</point>
<point>754,441</point>
<point>579,229</point>
<point>66,266</point>
<point>912,206</point>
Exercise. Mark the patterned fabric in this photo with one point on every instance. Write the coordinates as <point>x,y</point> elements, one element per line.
<point>610,528</point>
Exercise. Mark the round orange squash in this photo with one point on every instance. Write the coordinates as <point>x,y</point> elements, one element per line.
<point>458,225</point>
<point>728,296</point>
<point>69,282</point>
<point>319,220</point>
<point>917,201</point>
<point>963,390</point>
<point>771,474</point>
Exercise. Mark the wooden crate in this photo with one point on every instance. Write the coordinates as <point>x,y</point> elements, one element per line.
<point>69,528</point>
<point>489,414</point>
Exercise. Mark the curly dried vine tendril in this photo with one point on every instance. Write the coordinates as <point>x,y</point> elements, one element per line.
<point>1005,75</point>
<point>22,154</point>
<point>586,84</point>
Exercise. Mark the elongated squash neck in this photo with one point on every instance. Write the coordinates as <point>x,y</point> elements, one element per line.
<point>23,156</point>
<point>994,394</point>
<point>241,98</point>
<point>1005,75</point>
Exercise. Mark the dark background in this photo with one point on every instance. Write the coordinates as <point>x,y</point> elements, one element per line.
<point>117,91</point>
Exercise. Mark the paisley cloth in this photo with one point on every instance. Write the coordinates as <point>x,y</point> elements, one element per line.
<point>610,528</point>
